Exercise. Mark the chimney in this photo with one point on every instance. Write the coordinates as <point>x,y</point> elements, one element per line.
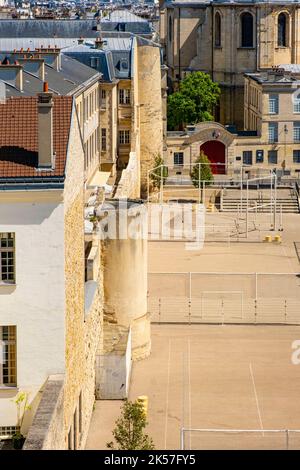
<point>99,43</point>
<point>12,73</point>
<point>34,65</point>
<point>2,92</point>
<point>45,129</point>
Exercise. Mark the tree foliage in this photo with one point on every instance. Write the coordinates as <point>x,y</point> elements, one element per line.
<point>194,102</point>
<point>159,171</point>
<point>201,172</point>
<point>129,429</point>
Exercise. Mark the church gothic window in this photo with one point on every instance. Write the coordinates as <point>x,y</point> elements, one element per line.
<point>217,30</point>
<point>247,30</point>
<point>282,30</point>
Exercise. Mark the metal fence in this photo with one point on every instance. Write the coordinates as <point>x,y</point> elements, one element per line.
<point>249,298</point>
<point>239,439</point>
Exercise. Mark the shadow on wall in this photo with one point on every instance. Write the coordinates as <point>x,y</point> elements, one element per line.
<point>27,213</point>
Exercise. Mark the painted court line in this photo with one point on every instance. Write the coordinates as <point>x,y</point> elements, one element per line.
<point>256,398</point>
<point>167,396</point>
<point>190,398</point>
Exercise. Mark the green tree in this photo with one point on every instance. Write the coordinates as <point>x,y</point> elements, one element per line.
<point>129,430</point>
<point>160,170</point>
<point>194,102</point>
<point>203,171</point>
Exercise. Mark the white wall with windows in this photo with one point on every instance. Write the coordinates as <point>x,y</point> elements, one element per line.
<point>32,299</point>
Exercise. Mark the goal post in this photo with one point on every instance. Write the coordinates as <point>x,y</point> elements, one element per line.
<point>239,439</point>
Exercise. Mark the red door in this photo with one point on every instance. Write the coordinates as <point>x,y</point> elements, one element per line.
<point>215,152</point>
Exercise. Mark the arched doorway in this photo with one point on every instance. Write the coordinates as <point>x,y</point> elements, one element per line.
<point>215,151</point>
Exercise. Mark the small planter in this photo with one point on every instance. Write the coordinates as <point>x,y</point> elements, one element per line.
<point>18,441</point>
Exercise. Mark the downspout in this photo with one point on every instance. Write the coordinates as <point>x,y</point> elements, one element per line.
<point>213,42</point>
<point>257,40</point>
<point>178,45</point>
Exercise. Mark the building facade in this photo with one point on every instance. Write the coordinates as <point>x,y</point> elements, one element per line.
<point>227,39</point>
<point>271,139</point>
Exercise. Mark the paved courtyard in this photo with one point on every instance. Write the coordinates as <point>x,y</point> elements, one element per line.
<point>225,377</point>
<point>219,376</point>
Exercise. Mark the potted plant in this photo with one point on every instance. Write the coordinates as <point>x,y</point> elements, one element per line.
<point>21,403</point>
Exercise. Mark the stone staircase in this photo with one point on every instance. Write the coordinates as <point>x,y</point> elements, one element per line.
<point>286,199</point>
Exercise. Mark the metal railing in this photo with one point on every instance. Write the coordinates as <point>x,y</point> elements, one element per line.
<point>232,298</point>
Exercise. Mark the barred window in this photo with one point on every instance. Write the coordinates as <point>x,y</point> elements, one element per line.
<point>273,132</point>
<point>124,96</point>
<point>296,131</point>
<point>273,104</point>
<point>8,364</point>
<point>7,253</point>
<point>124,137</point>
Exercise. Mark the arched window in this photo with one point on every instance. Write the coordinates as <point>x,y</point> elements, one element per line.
<point>246,30</point>
<point>217,30</point>
<point>282,30</point>
<point>170,29</point>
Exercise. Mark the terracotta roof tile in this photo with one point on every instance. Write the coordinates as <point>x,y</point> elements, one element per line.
<point>19,136</point>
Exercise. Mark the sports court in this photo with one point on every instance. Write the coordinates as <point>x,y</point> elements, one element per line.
<point>223,369</point>
<point>221,377</point>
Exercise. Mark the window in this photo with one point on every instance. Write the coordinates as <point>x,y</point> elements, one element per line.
<point>296,101</point>
<point>217,30</point>
<point>259,156</point>
<point>178,158</point>
<point>296,156</point>
<point>273,104</point>
<point>94,62</point>
<point>170,29</point>
<point>8,366</point>
<point>103,139</point>
<point>7,253</point>
<point>272,157</point>
<point>273,132</point>
<point>124,137</point>
<point>297,131</point>
<point>121,27</point>
<point>103,99</point>
<point>282,30</point>
<point>246,30</point>
<point>247,157</point>
<point>124,96</point>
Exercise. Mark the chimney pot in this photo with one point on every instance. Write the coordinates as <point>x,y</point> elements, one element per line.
<point>45,129</point>
<point>46,87</point>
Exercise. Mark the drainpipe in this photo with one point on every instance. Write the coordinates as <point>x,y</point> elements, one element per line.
<point>213,42</point>
<point>257,39</point>
<point>179,41</point>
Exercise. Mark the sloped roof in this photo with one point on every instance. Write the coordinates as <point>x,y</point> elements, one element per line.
<point>32,28</point>
<point>19,136</point>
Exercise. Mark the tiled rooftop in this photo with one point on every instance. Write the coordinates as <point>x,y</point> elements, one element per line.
<point>19,136</point>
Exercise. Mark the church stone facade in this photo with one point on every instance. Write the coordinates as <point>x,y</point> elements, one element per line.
<point>228,39</point>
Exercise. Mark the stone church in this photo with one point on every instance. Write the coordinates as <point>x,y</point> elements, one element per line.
<point>228,38</point>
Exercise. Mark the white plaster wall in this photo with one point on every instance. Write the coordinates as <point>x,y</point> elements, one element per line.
<point>36,303</point>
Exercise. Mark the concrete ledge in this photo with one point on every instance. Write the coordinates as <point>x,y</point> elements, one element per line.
<point>47,429</point>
